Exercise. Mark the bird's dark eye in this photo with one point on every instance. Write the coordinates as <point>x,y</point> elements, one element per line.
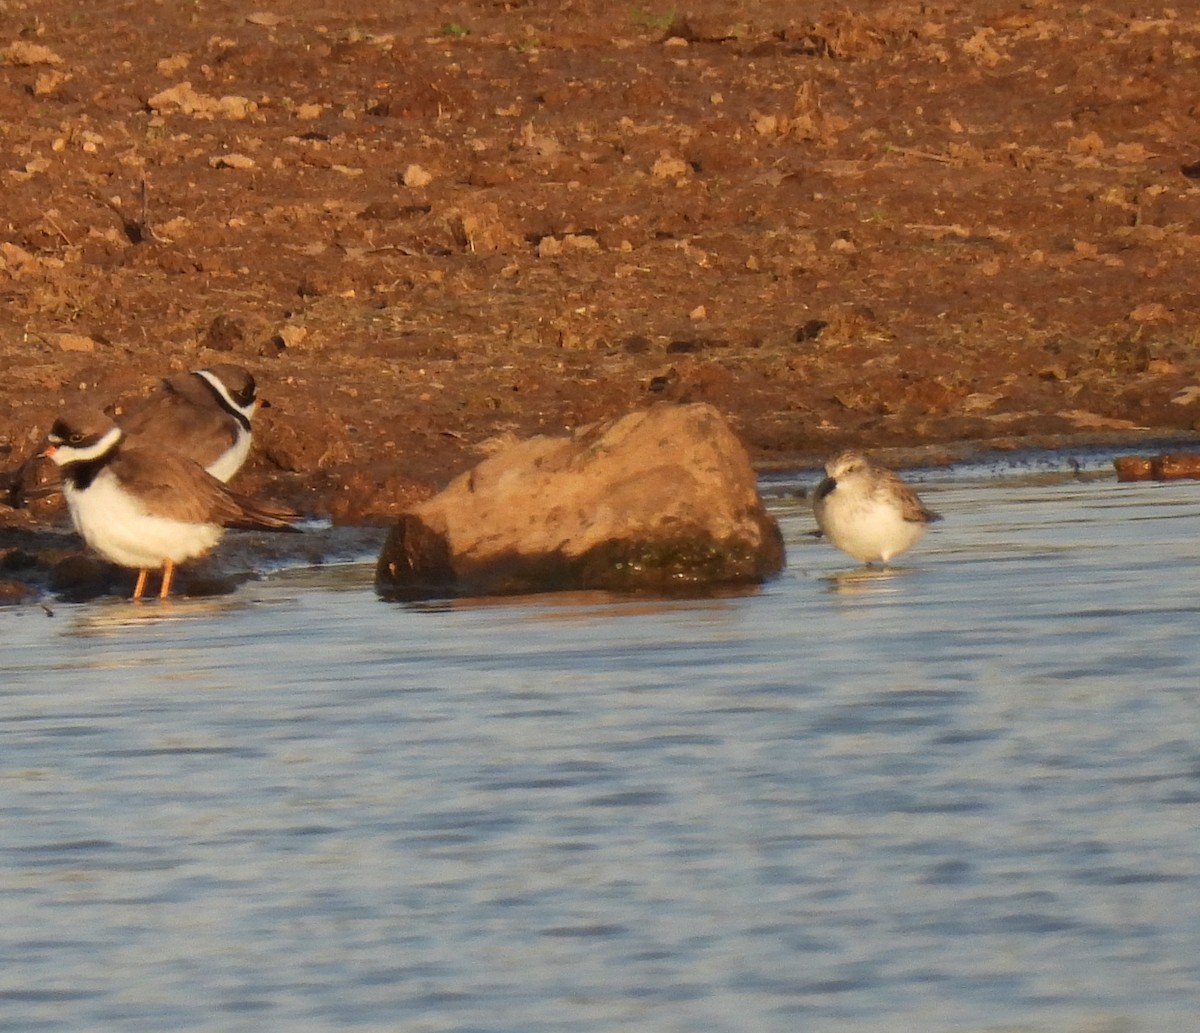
<point>76,439</point>
<point>245,396</point>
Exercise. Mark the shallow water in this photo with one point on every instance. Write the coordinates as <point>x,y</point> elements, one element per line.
<point>962,795</point>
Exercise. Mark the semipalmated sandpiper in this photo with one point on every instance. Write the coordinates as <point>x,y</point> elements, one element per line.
<point>867,511</point>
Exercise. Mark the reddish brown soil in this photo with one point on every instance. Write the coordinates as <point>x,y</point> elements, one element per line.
<point>427,226</point>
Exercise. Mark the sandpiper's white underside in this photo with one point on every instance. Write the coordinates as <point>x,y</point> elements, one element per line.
<point>868,529</point>
<point>114,523</point>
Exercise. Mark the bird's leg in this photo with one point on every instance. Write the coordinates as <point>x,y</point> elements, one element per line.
<point>141,583</point>
<point>168,571</point>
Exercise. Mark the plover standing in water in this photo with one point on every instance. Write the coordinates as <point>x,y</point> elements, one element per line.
<point>145,507</point>
<point>868,512</point>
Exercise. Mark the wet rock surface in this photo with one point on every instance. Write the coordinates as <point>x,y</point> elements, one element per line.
<point>898,225</point>
<point>1168,466</point>
<point>662,500</point>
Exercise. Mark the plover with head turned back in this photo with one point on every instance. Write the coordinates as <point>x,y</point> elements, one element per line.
<point>204,415</point>
<point>145,507</point>
<point>867,511</point>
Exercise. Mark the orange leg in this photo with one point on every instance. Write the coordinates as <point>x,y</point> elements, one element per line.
<point>168,573</point>
<point>141,583</point>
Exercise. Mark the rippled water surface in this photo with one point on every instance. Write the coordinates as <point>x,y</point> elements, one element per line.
<point>960,796</point>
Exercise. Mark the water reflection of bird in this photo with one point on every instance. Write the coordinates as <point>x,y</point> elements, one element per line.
<point>146,507</point>
<point>868,512</point>
<point>865,581</point>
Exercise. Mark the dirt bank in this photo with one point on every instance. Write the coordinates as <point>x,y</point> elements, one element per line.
<point>428,226</point>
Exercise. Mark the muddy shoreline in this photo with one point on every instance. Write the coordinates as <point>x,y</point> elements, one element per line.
<point>925,231</point>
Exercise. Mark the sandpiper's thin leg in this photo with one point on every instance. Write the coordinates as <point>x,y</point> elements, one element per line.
<point>141,583</point>
<point>168,571</point>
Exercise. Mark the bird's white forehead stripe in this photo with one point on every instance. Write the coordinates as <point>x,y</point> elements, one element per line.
<point>78,454</point>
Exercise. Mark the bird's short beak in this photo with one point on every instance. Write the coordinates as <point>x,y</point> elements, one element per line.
<point>263,404</point>
<point>825,487</point>
<point>48,451</point>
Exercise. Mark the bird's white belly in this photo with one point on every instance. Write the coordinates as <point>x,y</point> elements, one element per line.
<point>231,461</point>
<point>116,526</point>
<point>868,530</point>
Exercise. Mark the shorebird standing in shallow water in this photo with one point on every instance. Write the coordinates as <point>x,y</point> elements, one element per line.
<point>145,507</point>
<point>868,512</point>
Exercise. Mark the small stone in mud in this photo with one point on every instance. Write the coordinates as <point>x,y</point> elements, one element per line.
<point>663,381</point>
<point>1180,465</point>
<point>415,177</point>
<point>810,330</point>
<point>225,334</point>
<point>1134,468</point>
<point>270,347</point>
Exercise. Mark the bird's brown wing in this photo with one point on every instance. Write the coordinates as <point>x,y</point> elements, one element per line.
<point>912,508</point>
<point>171,485</point>
<point>181,415</point>
<point>260,515</point>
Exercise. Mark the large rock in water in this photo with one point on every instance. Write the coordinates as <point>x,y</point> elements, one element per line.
<point>662,500</point>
